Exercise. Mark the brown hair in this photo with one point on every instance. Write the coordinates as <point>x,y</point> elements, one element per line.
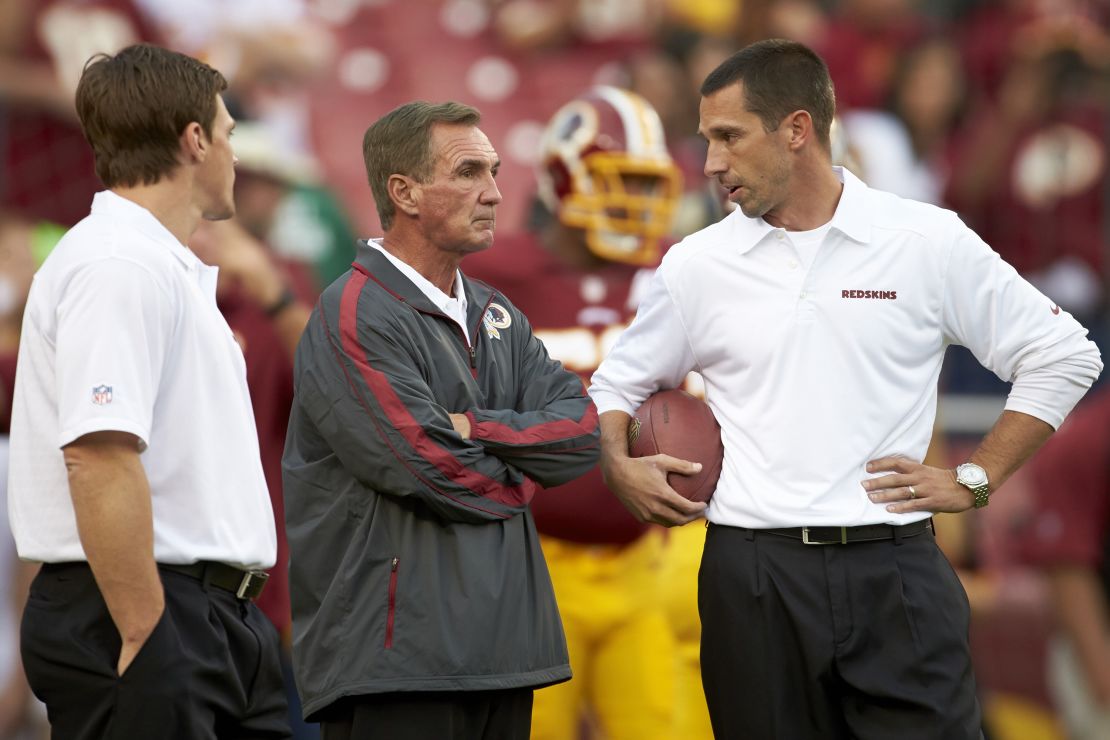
<point>400,143</point>
<point>134,106</point>
<point>779,77</point>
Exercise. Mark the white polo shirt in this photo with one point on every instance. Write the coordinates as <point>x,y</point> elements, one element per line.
<point>122,333</point>
<point>813,372</point>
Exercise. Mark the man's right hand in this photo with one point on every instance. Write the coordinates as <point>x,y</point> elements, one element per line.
<point>641,485</point>
<point>115,521</point>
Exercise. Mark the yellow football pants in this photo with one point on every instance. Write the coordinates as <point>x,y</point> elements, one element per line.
<point>682,558</point>
<point>621,646</point>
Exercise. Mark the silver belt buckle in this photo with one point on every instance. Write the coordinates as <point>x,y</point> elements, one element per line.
<point>249,580</point>
<point>842,541</point>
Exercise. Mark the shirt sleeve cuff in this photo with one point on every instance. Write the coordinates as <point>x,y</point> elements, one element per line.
<point>610,401</point>
<point>89,426</point>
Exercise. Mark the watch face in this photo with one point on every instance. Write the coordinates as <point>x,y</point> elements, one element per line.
<point>971,475</point>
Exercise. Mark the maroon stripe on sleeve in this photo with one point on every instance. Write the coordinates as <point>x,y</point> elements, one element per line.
<point>538,434</point>
<point>403,421</point>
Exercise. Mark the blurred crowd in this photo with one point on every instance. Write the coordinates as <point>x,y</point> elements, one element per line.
<point>998,109</point>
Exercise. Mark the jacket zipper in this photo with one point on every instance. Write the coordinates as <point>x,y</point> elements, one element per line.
<point>392,604</point>
<point>472,349</point>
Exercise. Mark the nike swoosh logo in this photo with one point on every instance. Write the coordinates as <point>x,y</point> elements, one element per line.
<point>1055,309</point>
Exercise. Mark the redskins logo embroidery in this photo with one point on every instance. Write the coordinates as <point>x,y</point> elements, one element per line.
<point>633,431</point>
<point>496,318</point>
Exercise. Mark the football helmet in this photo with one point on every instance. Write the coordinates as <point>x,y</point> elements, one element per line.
<point>604,168</point>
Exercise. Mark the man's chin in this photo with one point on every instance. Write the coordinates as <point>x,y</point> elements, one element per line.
<point>484,241</point>
<point>222,213</point>
<point>751,210</point>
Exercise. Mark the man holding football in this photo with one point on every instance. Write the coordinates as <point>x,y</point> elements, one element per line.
<point>818,314</point>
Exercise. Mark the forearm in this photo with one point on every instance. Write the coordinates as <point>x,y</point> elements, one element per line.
<point>1009,444</point>
<point>614,437</point>
<point>288,315</point>
<point>1084,617</point>
<point>289,323</point>
<point>111,501</point>
<point>551,446</point>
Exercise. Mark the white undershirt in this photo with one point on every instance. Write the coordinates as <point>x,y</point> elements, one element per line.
<point>455,308</point>
<point>808,242</point>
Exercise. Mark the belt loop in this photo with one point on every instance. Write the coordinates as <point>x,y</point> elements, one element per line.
<point>749,534</point>
<point>897,534</point>
<point>206,576</point>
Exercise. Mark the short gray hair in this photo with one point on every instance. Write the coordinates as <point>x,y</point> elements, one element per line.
<point>400,143</point>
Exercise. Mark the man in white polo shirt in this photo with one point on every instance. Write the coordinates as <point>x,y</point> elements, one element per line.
<point>135,474</point>
<point>818,314</point>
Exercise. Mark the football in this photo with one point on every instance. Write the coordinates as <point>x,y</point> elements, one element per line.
<point>677,424</point>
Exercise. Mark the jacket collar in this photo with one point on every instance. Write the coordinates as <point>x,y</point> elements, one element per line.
<point>381,270</point>
<point>851,217</point>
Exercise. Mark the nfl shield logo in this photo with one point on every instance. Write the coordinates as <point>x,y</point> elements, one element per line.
<point>102,395</point>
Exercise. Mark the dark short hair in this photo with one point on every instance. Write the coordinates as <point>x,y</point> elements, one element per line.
<point>134,106</point>
<point>400,143</point>
<point>779,77</point>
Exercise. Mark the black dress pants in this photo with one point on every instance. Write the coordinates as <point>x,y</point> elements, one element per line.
<point>865,640</point>
<point>210,669</point>
<point>432,715</point>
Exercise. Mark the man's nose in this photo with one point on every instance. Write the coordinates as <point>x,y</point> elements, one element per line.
<point>491,194</point>
<point>715,162</point>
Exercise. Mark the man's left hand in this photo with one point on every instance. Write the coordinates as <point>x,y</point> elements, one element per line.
<point>911,486</point>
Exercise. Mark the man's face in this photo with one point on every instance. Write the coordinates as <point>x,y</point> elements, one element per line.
<point>750,163</point>
<point>217,174</point>
<point>458,202</point>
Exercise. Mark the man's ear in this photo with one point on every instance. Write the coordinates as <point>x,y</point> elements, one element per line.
<point>405,193</point>
<point>194,144</point>
<point>800,128</point>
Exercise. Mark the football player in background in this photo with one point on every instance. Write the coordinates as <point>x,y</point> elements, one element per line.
<point>608,190</point>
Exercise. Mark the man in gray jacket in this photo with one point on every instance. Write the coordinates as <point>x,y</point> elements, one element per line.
<point>426,413</point>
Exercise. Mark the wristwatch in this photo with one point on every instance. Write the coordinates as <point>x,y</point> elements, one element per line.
<point>975,479</point>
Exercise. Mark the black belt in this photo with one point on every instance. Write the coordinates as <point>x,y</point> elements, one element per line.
<point>245,584</point>
<point>846,535</point>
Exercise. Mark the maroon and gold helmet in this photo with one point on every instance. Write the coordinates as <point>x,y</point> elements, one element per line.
<point>604,168</point>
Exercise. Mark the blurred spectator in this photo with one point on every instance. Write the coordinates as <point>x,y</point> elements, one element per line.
<point>861,45</point>
<point>1032,174</point>
<point>539,24</point>
<point>705,16</point>
<point>905,147</point>
<point>46,168</point>
<point>997,32</point>
<point>281,201</point>
<point>271,50</point>
<point>804,21</point>
<point>1069,537</point>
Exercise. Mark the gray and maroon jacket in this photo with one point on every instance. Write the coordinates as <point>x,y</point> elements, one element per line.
<point>414,560</point>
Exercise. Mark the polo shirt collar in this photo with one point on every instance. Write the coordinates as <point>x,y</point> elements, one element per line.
<point>134,215</point>
<point>851,217</point>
